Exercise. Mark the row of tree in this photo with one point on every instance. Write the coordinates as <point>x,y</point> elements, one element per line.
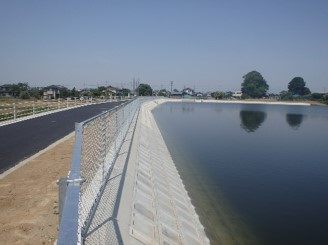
<point>254,86</point>
<point>24,91</point>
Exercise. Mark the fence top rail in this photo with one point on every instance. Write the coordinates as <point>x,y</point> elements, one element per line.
<point>108,111</point>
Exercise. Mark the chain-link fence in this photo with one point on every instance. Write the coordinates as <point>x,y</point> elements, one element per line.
<point>97,144</point>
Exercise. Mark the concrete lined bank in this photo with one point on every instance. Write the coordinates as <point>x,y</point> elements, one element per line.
<point>155,207</point>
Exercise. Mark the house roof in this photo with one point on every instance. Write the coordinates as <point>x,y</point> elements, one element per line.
<point>176,93</point>
<point>54,87</point>
<point>5,86</point>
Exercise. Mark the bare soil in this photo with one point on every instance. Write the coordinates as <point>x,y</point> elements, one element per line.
<point>29,197</point>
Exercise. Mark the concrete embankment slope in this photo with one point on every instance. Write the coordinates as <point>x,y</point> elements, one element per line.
<point>155,207</point>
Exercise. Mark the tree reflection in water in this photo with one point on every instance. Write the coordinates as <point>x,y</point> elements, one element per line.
<point>294,120</point>
<point>251,120</point>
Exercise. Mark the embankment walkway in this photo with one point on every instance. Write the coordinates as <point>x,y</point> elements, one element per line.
<point>160,211</point>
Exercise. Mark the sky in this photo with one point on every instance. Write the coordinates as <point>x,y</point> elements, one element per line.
<point>206,45</point>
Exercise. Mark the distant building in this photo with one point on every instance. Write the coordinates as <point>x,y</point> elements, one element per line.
<point>208,94</point>
<point>188,91</point>
<point>111,90</point>
<point>52,92</point>
<point>5,90</point>
<point>176,94</point>
<point>236,94</point>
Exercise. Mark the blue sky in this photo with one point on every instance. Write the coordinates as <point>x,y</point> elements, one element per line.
<point>206,44</point>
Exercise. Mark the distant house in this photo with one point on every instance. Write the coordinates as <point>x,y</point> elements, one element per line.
<point>52,92</point>
<point>5,90</point>
<point>236,94</point>
<point>208,94</point>
<point>111,90</point>
<point>176,94</point>
<point>84,93</point>
<point>188,91</point>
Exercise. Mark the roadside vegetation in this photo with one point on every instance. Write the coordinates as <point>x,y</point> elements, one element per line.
<point>255,87</point>
<point>20,100</point>
<point>25,92</point>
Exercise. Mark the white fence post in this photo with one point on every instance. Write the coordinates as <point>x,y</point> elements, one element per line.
<point>14,110</point>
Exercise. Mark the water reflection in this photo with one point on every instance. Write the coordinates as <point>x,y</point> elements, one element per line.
<point>251,120</point>
<point>187,108</point>
<point>275,193</point>
<point>294,120</point>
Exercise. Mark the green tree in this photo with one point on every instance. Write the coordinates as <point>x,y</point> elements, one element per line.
<point>75,93</point>
<point>126,91</point>
<point>317,96</point>
<point>25,95</point>
<point>99,91</point>
<point>306,91</point>
<point>36,93</point>
<point>254,85</point>
<point>163,92</point>
<point>64,92</point>
<point>218,95</point>
<point>285,95</point>
<point>144,90</point>
<point>325,99</point>
<point>96,92</point>
<point>297,86</point>
<point>16,89</point>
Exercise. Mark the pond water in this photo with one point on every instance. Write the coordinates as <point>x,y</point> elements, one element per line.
<point>257,174</point>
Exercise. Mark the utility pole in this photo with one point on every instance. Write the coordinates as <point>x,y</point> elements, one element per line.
<point>171,86</point>
<point>134,85</point>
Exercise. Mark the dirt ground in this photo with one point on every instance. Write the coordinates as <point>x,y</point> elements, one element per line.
<point>29,197</point>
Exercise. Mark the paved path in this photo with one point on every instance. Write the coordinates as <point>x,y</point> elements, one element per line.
<point>21,140</point>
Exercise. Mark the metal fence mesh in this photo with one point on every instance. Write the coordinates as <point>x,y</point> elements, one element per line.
<point>101,140</point>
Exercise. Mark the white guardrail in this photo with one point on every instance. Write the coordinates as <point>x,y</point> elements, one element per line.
<point>19,110</point>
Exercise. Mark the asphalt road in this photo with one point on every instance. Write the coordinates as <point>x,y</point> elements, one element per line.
<point>21,140</point>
